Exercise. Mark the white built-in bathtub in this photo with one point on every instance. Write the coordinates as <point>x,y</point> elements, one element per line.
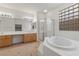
<point>60,42</point>
<point>56,46</point>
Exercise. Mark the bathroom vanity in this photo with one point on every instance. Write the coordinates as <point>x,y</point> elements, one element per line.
<point>15,31</point>
<point>6,39</point>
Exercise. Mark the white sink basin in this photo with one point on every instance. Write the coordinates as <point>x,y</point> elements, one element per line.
<point>60,42</point>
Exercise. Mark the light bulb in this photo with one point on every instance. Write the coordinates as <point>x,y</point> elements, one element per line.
<point>45,11</point>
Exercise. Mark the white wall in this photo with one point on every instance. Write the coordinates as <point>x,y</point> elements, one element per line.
<point>27,25</point>
<point>69,34</point>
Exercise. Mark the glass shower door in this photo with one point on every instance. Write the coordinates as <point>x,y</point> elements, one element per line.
<point>45,26</point>
<point>41,30</point>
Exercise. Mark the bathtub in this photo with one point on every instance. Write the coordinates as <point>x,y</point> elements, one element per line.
<point>52,44</point>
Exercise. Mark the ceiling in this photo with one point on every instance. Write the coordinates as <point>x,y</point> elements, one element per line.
<point>31,7</point>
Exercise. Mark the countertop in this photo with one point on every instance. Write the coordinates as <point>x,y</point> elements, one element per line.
<point>62,52</point>
<point>16,33</point>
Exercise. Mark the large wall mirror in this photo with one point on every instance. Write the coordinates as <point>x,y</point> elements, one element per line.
<point>15,24</point>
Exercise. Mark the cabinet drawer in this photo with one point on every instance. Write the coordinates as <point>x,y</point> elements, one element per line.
<point>6,37</point>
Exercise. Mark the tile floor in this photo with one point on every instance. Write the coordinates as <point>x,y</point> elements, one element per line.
<point>25,49</point>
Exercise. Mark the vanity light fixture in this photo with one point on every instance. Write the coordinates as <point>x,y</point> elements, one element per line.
<point>4,14</point>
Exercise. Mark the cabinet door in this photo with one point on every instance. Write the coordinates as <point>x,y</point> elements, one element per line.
<point>27,38</point>
<point>34,36</point>
<point>5,41</point>
<point>1,42</point>
<point>30,37</point>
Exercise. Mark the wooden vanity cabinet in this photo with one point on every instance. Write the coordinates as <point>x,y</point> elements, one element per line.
<point>5,41</point>
<point>30,37</point>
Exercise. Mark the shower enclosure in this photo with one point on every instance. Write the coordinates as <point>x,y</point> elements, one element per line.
<point>44,25</point>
